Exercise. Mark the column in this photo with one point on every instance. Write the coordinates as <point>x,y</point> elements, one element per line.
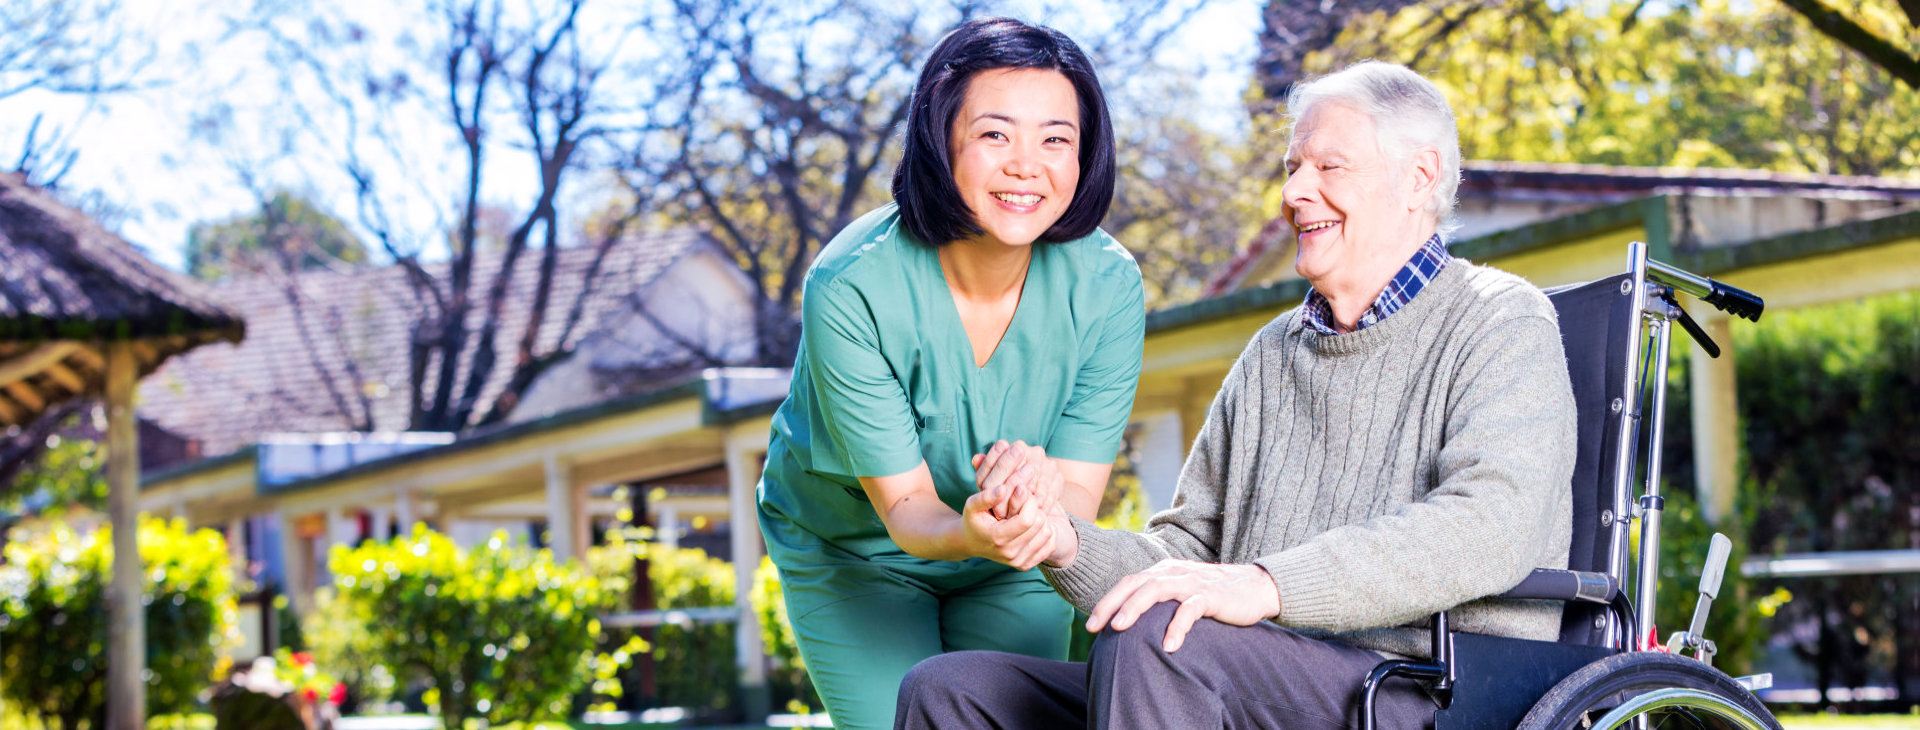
<point>564,510</point>
<point>296,558</point>
<point>405,512</point>
<point>667,526</point>
<point>237,544</point>
<point>746,450</point>
<point>127,642</point>
<point>1716,421</point>
<point>382,519</point>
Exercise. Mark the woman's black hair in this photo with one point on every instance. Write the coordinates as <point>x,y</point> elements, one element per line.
<point>930,202</point>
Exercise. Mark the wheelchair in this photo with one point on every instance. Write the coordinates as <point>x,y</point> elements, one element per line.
<point>1607,669</point>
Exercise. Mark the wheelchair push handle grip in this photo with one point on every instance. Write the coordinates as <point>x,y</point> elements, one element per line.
<point>1727,298</point>
<point>1735,301</point>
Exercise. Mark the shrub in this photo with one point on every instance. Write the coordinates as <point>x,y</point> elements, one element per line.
<point>504,633</point>
<point>693,664</point>
<point>54,619</point>
<point>789,677</point>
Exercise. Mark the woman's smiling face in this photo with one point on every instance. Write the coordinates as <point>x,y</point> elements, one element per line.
<point>1016,152</point>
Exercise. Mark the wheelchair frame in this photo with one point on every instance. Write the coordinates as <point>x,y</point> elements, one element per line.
<point>1607,670</point>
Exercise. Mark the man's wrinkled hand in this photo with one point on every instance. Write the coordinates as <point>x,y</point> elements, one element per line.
<point>1241,595</point>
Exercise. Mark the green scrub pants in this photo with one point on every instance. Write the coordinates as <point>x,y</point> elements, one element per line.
<point>877,622</point>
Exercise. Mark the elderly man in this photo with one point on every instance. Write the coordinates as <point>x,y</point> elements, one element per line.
<point>1399,444</point>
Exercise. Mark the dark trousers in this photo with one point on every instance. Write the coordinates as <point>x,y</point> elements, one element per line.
<point>1260,676</point>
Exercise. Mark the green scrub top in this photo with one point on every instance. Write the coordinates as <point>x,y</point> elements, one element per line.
<point>885,378</point>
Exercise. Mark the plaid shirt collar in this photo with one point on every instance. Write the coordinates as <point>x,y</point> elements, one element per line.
<point>1421,269</point>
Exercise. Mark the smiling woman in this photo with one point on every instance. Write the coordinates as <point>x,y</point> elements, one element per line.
<point>968,361</point>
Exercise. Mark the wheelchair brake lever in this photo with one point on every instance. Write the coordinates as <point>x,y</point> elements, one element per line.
<point>1693,328</point>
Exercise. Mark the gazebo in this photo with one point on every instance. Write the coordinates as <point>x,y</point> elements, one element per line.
<point>84,315</point>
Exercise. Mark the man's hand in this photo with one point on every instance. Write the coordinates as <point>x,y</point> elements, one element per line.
<point>995,468</point>
<point>1241,595</point>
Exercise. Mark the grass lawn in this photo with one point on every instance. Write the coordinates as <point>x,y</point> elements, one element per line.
<point>1848,722</point>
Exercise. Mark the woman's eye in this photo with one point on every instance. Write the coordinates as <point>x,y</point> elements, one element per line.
<point>994,135</point>
<point>1060,140</point>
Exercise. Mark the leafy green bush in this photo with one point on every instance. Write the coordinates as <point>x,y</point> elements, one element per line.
<point>693,664</point>
<point>504,633</point>
<point>1830,415</point>
<point>789,678</point>
<point>54,619</point>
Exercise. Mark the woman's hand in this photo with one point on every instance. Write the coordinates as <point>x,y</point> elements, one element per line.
<point>1022,539</point>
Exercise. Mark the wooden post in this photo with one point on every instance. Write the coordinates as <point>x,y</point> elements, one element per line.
<point>127,642</point>
<point>1716,422</point>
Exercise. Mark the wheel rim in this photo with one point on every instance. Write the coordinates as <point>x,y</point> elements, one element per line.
<point>1680,698</point>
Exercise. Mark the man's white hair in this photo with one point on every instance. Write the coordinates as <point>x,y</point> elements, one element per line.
<point>1409,114</point>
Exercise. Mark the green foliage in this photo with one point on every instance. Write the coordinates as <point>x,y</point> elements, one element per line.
<point>693,664</point>
<point>1124,505</point>
<point>332,631</point>
<point>287,234</point>
<point>54,619</point>
<point>1830,410</point>
<point>504,633</point>
<point>1740,620</point>
<point>1623,82</point>
<point>789,677</point>
<point>70,474</point>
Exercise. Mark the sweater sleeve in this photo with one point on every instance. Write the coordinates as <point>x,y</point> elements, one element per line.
<point>1503,468</point>
<point>1188,530</point>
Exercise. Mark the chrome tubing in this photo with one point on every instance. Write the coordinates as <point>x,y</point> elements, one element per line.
<point>1690,699</point>
<point>1693,284</point>
<point>1629,408</point>
<point>1651,504</point>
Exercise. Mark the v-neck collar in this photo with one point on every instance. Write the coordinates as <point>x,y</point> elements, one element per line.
<point>953,310</point>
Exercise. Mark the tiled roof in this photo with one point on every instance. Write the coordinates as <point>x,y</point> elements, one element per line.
<point>356,336</point>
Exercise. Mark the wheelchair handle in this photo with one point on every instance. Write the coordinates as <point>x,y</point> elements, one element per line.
<point>1725,297</point>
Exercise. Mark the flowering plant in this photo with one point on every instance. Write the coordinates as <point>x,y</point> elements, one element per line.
<point>305,680</point>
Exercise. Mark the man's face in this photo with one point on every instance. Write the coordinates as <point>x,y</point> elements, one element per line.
<point>1340,193</point>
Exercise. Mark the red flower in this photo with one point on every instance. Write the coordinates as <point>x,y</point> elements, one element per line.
<point>301,658</point>
<point>339,693</point>
<point>312,695</point>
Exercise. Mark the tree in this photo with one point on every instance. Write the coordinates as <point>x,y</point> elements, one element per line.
<point>288,233</point>
<point>487,81</point>
<point>1709,83</point>
<point>791,122</point>
<point>67,474</point>
<point>1830,409</point>
<point>68,47</point>
<point>1874,33</point>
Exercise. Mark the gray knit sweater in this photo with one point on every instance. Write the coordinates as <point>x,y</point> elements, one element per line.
<point>1381,475</point>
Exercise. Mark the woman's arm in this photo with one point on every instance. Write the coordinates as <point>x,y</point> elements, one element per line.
<point>926,527</point>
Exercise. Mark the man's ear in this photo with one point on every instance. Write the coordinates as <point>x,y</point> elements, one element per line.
<point>1423,174</point>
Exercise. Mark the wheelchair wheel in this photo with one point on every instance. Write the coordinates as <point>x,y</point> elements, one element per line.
<point>1648,690</point>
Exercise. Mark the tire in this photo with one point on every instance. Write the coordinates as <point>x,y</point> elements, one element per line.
<point>1690,695</point>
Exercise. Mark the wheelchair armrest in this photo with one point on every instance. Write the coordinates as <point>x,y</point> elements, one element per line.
<point>1565,585</point>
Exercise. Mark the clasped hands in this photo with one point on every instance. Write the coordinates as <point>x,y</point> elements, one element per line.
<point>1016,517</point>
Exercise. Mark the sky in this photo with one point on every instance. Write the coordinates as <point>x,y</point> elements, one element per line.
<point>139,151</point>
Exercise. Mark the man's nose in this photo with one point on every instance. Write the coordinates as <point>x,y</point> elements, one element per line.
<point>1299,186</point>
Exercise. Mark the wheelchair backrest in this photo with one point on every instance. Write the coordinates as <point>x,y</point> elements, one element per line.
<point>1598,321</point>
